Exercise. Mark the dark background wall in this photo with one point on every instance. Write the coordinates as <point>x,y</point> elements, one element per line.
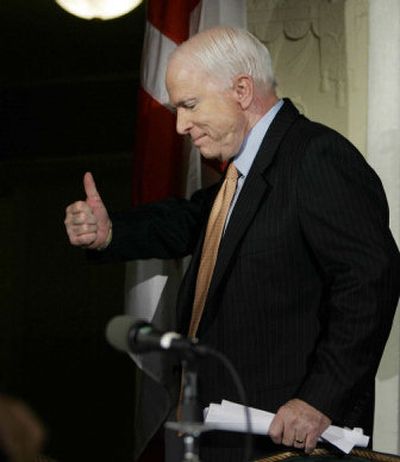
<point>67,105</point>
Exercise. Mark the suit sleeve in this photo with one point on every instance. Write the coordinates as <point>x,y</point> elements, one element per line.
<point>344,220</point>
<point>165,229</point>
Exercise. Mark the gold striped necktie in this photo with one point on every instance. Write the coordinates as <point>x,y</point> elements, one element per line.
<point>215,227</point>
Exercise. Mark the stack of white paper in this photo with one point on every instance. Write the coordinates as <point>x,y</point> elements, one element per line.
<point>231,417</point>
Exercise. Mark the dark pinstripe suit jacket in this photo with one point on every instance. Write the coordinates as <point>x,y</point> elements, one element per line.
<point>307,276</point>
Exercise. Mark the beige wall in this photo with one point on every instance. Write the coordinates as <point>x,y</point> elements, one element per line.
<point>319,50</point>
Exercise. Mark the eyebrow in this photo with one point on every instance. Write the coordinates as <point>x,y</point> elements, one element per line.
<point>181,103</point>
<point>185,102</point>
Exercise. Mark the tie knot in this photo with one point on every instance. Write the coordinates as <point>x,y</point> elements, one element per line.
<point>232,173</point>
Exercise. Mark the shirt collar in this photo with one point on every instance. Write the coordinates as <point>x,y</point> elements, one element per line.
<point>251,144</point>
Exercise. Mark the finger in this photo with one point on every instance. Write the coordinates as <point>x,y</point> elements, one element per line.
<point>80,218</point>
<point>78,207</point>
<point>310,444</point>
<point>299,438</point>
<point>83,240</point>
<point>299,442</point>
<point>90,186</point>
<point>81,230</point>
<point>81,234</point>
<point>288,436</point>
<point>83,218</point>
<point>275,431</point>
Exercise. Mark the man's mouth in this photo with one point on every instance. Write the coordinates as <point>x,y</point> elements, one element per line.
<point>197,140</point>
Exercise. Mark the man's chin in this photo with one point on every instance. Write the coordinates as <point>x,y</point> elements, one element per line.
<point>211,155</point>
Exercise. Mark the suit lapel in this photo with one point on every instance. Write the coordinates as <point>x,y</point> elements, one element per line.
<point>255,190</point>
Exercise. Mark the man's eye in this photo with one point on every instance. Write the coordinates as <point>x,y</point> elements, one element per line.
<point>190,105</point>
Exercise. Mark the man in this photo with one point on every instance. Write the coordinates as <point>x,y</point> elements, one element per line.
<point>306,278</point>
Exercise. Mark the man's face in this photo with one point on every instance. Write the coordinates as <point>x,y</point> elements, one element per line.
<point>210,114</point>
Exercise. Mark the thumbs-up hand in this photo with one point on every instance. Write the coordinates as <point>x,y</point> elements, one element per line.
<point>87,222</point>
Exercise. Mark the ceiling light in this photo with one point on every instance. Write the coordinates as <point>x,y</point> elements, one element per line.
<point>98,9</point>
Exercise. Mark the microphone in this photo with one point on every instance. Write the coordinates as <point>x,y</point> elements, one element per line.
<point>130,336</point>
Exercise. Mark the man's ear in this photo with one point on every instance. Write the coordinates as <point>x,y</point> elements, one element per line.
<point>243,87</point>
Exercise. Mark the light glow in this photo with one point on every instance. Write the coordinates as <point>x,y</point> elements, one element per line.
<point>98,9</point>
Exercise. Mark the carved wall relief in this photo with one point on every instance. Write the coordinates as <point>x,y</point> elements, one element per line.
<point>306,39</point>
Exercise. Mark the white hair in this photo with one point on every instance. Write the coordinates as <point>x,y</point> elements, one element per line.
<point>225,52</point>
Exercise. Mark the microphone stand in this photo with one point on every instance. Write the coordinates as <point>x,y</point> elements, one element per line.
<point>191,424</point>
<point>191,412</point>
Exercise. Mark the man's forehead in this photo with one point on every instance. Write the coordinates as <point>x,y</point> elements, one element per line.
<point>179,66</point>
<point>184,79</point>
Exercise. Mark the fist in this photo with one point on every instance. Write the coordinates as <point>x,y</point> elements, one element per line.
<point>298,424</point>
<point>87,222</point>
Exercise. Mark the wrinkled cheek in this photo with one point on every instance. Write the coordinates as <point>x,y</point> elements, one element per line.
<point>232,142</point>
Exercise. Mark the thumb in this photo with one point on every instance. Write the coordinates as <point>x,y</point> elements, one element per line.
<point>90,186</point>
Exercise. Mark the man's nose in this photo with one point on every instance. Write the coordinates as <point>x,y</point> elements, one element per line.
<point>183,123</point>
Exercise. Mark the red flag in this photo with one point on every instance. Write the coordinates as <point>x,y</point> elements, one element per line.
<point>159,167</point>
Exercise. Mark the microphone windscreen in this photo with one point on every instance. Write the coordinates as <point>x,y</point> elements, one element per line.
<point>117,332</point>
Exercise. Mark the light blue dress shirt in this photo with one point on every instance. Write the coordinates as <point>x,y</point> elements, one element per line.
<point>247,153</point>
